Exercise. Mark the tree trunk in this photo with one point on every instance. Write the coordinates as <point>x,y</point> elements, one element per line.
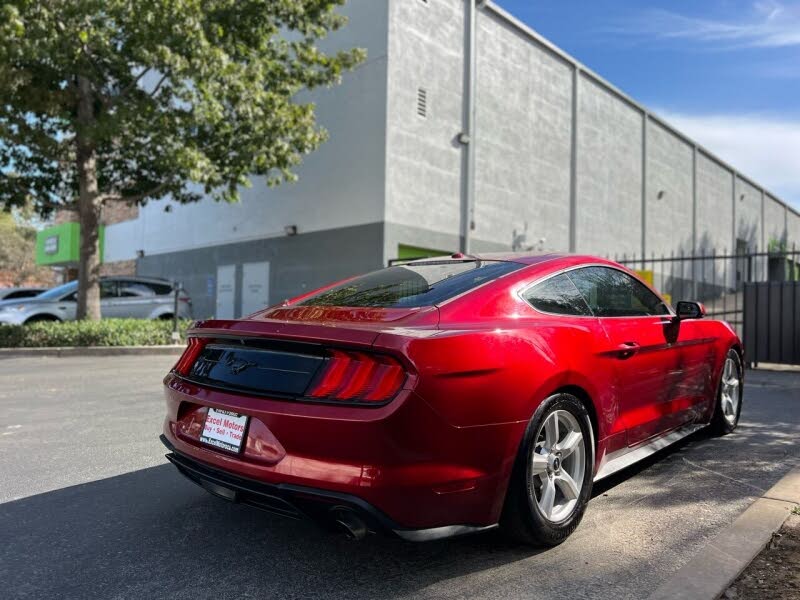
<point>88,208</point>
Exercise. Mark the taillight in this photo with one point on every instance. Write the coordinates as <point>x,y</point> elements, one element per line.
<point>193,348</point>
<point>357,377</point>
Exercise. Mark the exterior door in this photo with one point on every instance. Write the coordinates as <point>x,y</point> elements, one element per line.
<point>642,349</point>
<point>136,300</point>
<point>255,287</point>
<point>226,292</point>
<point>109,298</point>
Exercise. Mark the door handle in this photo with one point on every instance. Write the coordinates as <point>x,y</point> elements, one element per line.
<point>627,349</point>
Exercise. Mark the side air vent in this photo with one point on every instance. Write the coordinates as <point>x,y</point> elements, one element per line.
<point>422,102</point>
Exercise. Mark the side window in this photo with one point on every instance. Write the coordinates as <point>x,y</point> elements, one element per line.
<point>108,289</point>
<point>160,289</point>
<point>135,289</point>
<point>557,295</point>
<point>20,294</point>
<point>612,293</point>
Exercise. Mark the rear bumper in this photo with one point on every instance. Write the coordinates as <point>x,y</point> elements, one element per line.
<point>401,458</point>
<point>302,502</point>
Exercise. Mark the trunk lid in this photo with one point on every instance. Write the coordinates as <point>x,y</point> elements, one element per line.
<point>321,324</point>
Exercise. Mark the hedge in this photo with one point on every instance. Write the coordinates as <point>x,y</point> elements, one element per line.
<point>106,332</point>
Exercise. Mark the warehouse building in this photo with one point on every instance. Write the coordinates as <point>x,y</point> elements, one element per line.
<point>463,129</point>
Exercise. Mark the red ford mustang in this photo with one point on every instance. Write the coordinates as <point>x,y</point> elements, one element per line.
<point>448,396</point>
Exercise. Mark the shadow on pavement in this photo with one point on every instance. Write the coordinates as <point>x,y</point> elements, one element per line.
<point>151,534</point>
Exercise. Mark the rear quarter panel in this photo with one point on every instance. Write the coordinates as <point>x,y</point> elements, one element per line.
<point>486,377</point>
<point>496,358</point>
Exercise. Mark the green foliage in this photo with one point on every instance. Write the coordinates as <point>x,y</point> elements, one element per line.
<point>107,332</point>
<point>777,246</point>
<point>186,98</point>
<point>18,251</point>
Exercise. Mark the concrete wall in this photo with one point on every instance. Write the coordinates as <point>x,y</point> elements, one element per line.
<point>747,212</point>
<point>423,177</point>
<point>297,264</point>
<point>775,222</point>
<point>523,146</point>
<point>714,204</point>
<point>523,141</point>
<point>793,229</point>
<point>609,207</point>
<point>669,207</point>
<point>340,185</point>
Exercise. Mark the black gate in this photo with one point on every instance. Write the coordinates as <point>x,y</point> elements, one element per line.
<point>758,293</point>
<point>772,322</point>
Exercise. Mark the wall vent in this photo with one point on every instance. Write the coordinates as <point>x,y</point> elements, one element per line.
<point>422,102</point>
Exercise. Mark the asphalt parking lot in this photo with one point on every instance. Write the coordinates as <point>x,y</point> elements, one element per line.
<point>89,508</point>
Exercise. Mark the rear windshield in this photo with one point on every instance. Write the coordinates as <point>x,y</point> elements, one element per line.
<point>412,285</point>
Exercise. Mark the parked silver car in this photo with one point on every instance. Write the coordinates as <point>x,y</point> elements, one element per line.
<point>120,297</point>
<point>15,293</point>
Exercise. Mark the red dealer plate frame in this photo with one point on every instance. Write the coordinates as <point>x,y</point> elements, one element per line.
<point>224,429</point>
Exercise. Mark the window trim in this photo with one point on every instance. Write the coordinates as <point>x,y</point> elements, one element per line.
<point>671,313</point>
<point>547,312</point>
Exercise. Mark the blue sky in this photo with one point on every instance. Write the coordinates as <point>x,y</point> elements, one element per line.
<point>727,72</point>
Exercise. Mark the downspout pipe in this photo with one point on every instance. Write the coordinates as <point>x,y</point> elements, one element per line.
<point>467,137</point>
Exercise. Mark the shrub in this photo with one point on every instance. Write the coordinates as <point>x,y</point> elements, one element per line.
<point>107,332</point>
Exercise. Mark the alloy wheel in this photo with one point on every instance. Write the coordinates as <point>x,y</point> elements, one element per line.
<point>558,464</point>
<point>729,392</point>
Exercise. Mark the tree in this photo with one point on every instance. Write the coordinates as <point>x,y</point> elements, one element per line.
<point>134,100</point>
<point>18,251</point>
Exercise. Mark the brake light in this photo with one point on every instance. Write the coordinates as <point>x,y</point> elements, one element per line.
<point>358,377</point>
<point>193,348</point>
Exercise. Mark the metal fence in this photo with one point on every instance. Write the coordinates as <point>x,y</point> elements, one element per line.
<point>772,322</point>
<point>716,280</point>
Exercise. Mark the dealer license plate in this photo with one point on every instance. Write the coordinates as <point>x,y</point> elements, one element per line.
<point>224,429</point>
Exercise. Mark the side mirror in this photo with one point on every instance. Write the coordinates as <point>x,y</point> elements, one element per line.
<point>690,310</point>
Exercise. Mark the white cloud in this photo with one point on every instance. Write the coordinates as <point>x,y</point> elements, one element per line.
<point>763,148</point>
<point>768,24</point>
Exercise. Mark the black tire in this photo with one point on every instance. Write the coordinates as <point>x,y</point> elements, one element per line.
<point>165,317</point>
<point>720,425</point>
<point>522,519</point>
<point>42,319</point>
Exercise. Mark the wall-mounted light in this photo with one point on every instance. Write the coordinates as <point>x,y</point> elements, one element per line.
<point>661,194</point>
<point>140,254</point>
<point>290,230</point>
<point>741,198</point>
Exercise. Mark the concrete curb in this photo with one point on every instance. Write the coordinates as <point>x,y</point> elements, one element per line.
<point>167,350</point>
<point>776,367</point>
<point>721,561</point>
